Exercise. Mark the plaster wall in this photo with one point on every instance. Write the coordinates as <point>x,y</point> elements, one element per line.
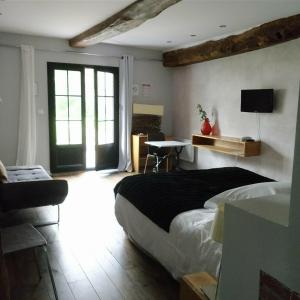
<point>217,85</point>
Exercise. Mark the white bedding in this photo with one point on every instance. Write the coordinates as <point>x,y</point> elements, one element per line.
<point>187,248</point>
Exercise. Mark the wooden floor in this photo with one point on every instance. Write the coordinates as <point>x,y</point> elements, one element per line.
<point>90,255</point>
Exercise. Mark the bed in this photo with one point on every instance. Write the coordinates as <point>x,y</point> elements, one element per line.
<point>169,215</point>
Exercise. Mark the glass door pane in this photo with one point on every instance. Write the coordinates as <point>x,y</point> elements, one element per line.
<point>105,88</point>
<point>68,107</point>
<point>107,117</point>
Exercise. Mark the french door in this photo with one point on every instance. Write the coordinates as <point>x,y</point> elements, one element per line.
<point>83,117</point>
<point>107,118</point>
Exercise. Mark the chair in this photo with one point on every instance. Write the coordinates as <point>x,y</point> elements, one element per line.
<point>158,154</point>
<point>22,237</point>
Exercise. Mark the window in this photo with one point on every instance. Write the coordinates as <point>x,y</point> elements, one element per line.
<point>68,107</point>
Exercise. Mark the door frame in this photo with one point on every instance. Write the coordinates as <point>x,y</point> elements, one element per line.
<point>51,67</point>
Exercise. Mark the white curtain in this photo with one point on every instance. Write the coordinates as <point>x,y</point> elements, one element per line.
<point>125,119</point>
<point>27,118</point>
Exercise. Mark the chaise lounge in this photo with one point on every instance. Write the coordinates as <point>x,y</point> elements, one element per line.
<point>29,186</point>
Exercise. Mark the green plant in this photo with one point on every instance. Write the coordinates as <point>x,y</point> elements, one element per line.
<point>202,113</point>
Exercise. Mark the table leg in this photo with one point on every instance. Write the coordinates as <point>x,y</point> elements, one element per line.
<point>178,151</point>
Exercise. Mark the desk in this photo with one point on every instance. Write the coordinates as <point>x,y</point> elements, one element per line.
<point>176,145</point>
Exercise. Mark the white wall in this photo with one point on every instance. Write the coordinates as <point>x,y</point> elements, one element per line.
<point>9,107</point>
<point>217,84</point>
<point>256,244</point>
<point>145,71</point>
<point>252,244</point>
<point>160,92</point>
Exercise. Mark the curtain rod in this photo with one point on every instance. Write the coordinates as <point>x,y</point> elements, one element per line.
<point>81,53</point>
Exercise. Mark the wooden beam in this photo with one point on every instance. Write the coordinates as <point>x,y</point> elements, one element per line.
<point>268,34</point>
<point>128,18</point>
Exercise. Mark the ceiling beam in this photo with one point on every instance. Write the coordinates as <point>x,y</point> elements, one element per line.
<point>268,34</point>
<point>128,18</point>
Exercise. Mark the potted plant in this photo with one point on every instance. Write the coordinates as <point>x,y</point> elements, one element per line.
<point>205,127</point>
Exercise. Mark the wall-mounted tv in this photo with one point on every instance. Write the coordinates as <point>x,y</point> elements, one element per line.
<point>257,100</point>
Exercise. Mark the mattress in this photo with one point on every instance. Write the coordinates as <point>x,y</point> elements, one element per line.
<point>186,248</point>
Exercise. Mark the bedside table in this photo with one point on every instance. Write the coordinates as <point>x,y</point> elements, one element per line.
<point>191,286</point>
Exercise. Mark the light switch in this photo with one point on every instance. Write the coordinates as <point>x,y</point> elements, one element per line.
<point>135,89</point>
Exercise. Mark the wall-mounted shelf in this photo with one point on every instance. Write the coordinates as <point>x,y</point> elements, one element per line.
<point>226,145</point>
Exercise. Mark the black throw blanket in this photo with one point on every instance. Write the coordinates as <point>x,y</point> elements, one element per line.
<point>161,197</point>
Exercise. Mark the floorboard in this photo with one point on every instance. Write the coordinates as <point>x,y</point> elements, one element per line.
<point>90,256</point>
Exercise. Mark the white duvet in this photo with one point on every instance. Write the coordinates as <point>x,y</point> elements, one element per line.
<point>186,248</point>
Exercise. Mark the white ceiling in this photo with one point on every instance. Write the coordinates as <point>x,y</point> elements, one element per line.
<point>67,18</point>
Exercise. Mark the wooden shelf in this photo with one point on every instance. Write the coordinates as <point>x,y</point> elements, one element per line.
<point>226,145</point>
<point>139,151</point>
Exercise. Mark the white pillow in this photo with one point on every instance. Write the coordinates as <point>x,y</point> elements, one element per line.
<point>249,191</point>
<point>3,173</point>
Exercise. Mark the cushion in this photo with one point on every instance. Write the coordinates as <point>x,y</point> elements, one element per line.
<point>249,191</point>
<point>26,173</point>
<point>3,173</point>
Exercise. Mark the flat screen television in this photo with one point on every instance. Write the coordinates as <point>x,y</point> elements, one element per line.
<point>260,101</point>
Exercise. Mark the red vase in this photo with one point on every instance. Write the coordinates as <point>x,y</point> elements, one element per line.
<point>205,127</point>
